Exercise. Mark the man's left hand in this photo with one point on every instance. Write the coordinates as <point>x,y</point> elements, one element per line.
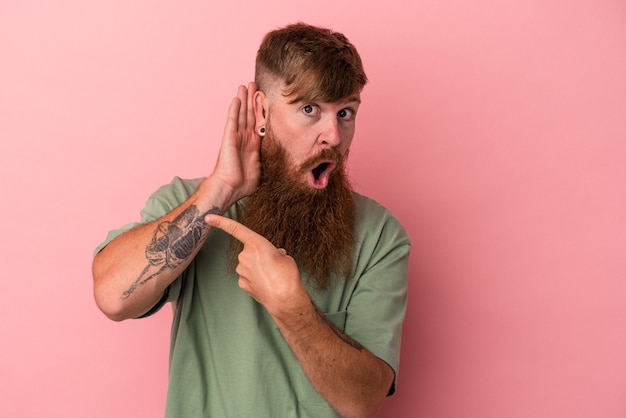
<point>265,272</point>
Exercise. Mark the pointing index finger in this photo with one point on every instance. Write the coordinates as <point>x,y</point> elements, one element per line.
<point>233,228</point>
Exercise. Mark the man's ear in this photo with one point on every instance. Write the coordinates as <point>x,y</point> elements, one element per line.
<point>261,109</point>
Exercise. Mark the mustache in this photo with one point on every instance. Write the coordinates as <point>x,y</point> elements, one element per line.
<point>326,155</point>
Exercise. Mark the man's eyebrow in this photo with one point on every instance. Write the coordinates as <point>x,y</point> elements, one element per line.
<point>353,99</point>
<point>349,100</point>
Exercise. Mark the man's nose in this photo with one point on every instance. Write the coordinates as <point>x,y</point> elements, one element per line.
<point>331,135</point>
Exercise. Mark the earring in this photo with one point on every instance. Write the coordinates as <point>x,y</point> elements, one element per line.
<point>262,131</point>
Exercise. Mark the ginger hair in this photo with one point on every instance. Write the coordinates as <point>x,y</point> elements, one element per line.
<point>314,63</point>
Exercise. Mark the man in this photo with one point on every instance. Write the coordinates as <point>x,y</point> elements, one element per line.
<point>295,309</point>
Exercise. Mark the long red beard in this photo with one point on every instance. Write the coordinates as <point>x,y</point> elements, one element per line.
<point>315,227</point>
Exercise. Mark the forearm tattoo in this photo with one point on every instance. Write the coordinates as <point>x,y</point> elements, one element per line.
<point>173,243</point>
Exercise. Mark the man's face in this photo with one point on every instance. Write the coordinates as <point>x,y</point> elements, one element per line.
<point>304,202</point>
<point>306,129</point>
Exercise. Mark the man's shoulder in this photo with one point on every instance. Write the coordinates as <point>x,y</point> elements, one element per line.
<point>369,208</point>
<point>373,215</point>
<point>180,186</point>
<point>366,201</point>
<point>167,197</point>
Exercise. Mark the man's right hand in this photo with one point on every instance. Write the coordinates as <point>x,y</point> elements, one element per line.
<point>238,166</point>
<point>130,273</point>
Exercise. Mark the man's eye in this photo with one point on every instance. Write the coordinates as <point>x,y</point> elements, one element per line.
<point>308,109</point>
<point>345,113</point>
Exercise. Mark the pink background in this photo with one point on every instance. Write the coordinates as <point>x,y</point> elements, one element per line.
<point>496,132</point>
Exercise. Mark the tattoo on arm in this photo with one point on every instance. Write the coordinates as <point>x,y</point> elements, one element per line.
<point>173,243</point>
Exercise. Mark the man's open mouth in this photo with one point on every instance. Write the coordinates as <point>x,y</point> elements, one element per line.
<point>320,174</point>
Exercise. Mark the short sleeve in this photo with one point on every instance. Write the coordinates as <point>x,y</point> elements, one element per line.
<point>161,202</point>
<point>378,304</point>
